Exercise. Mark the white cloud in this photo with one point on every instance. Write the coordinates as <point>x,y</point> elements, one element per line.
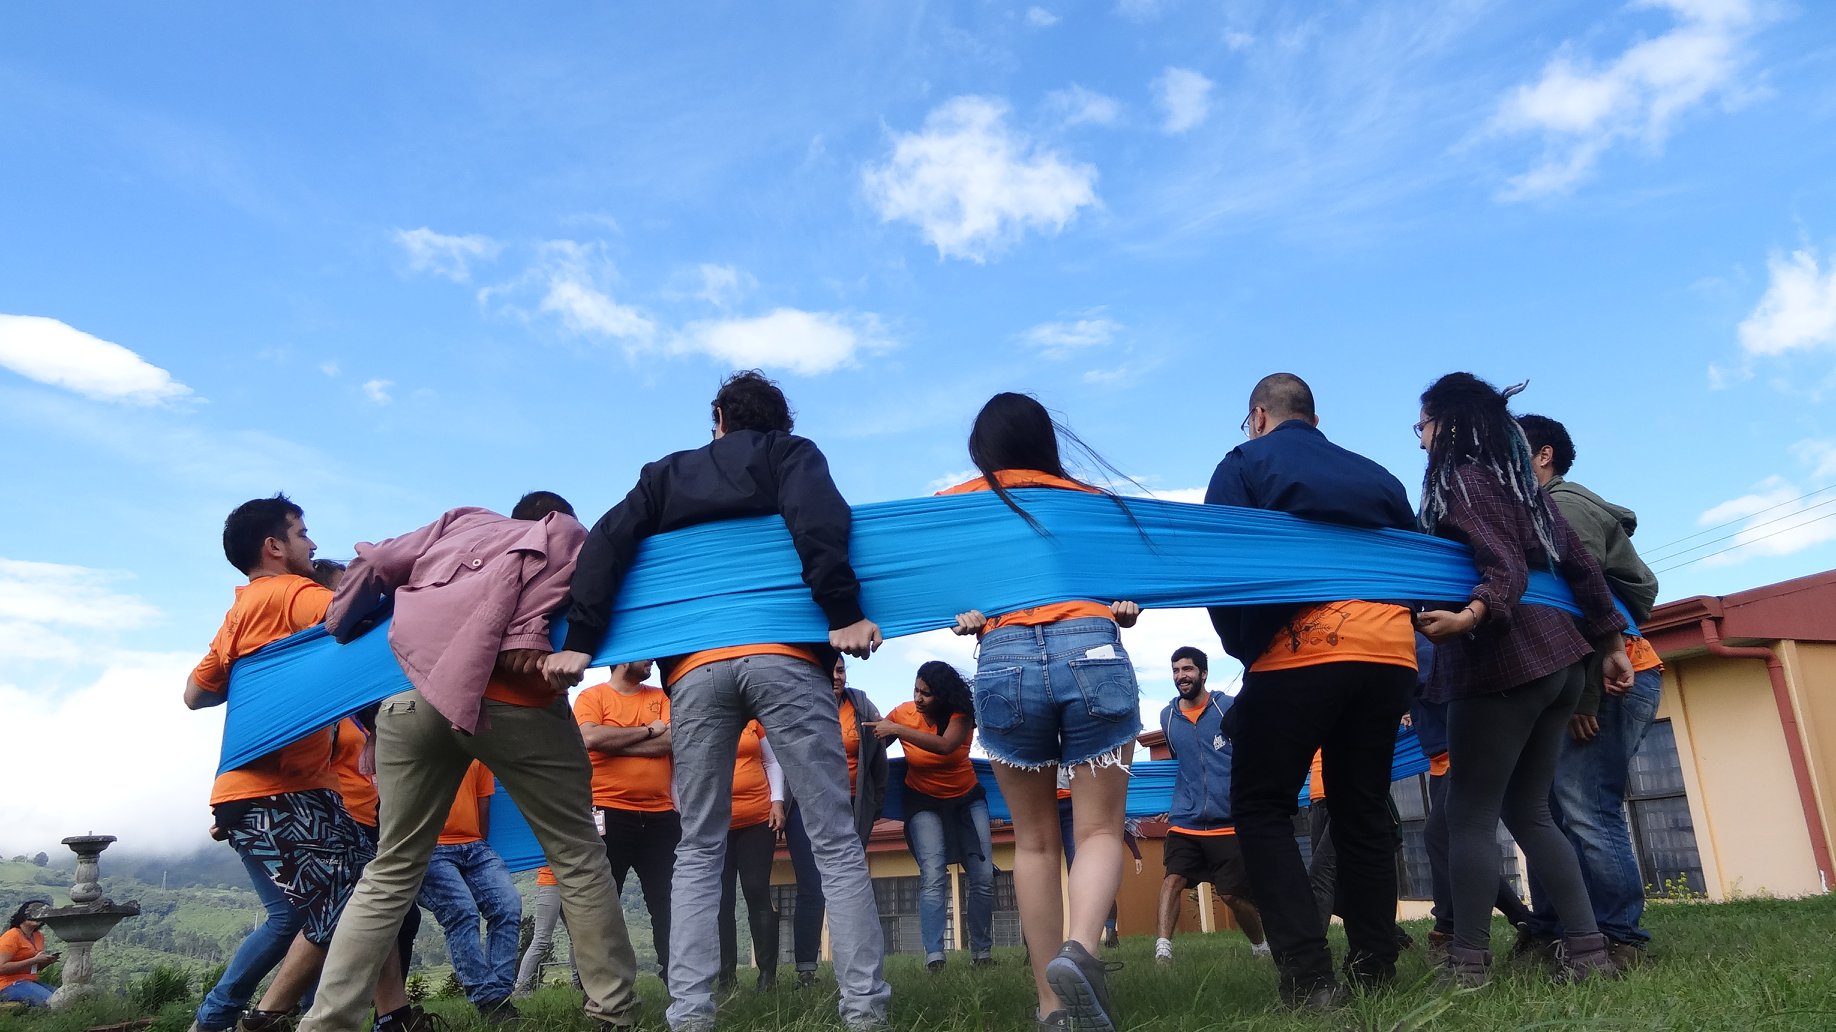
<point>443,255</point>
<point>1237,39</point>
<point>378,391</point>
<point>1040,18</point>
<point>1580,109</point>
<point>1075,105</point>
<point>41,602</point>
<point>973,185</point>
<point>134,702</point>
<point>1184,97</point>
<point>961,476</point>
<point>1798,310</point>
<point>723,285</point>
<point>1117,376</point>
<point>1063,339</point>
<point>52,352</point>
<point>806,343</point>
<point>1819,455</point>
<point>1779,521</point>
<point>570,276</point>
<point>329,368</point>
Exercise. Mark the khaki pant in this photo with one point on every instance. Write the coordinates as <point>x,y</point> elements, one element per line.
<point>420,761</point>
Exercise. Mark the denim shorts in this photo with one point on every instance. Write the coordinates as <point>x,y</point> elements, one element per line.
<point>1042,699</point>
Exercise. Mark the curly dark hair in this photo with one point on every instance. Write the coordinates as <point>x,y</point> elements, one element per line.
<point>251,524</point>
<point>1543,432</point>
<point>949,694</point>
<point>750,401</point>
<point>1473,427</point>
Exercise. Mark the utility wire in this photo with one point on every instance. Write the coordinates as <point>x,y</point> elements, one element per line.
<point>1743,544</point>
<point>1737,519</point>
<point>1776,519</point>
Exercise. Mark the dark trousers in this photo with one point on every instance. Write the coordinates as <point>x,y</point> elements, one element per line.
<point>806,923</point>
<point>1349,712</point>
<point>1434,835</point>
<point>749,852</point>
<point>646,843</point>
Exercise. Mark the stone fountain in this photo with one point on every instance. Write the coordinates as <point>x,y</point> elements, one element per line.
<point>86,920</point>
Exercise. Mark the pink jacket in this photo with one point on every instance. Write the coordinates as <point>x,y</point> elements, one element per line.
<point>467,586</point>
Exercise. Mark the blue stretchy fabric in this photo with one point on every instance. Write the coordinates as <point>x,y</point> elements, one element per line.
<point>920,561</point>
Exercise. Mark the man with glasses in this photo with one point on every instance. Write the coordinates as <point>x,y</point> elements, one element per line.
<point>1333,675</point>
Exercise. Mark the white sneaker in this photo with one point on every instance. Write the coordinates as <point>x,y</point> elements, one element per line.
<point>1260,949</point>
<point>1163,951</point>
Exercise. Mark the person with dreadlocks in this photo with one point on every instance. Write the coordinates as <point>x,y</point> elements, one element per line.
<point>1510,672</point>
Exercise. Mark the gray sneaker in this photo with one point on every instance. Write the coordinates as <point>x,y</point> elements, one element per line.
<point>1057,1021</point>
<point>1082,984</point>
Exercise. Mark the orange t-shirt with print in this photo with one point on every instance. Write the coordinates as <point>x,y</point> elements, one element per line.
<point>1193,714</point>
<point>546,876</point>
<point>266,610</point>
<point>15,946</point>
<point>1642,655</point>
<point>939,775</point>
<point>1352,631</point>
<point>851,742</point>
<point>357,788</point>
<point>1051,612</point>
<point>751,789</point>
<point>638,783</point>
<point>462,821</point>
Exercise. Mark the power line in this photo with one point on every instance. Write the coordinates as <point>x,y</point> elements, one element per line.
<point>1737,519</point>
<point>1743,544</point>
<point>1743,530</point>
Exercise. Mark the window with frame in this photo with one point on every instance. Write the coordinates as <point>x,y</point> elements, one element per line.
<point>1663,832</point>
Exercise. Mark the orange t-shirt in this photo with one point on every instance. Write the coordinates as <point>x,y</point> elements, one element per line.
<point>1316,778</point>
<point>1642,655</point>
<point>357,788</point>
<point>546,876</point>
<point>851,742</point>
<point>528,690</point>
<point>266,610</point>
<point>639,783</point>
<point>15,947</point>
<point>462,821</point>
<point>939,775</point>
<point>751,789</point>
<point>706,656</point>
<point>1353,631</point>
<point>1051,612</point>
<point>1193,714</point>
<point>1437,765</point>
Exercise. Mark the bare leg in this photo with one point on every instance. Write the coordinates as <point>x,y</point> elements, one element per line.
<point>390,993</point>
<point>1171,889</point>
<point>1098,802</point>
<point>298,970</point>
<point>1032,798</point>
<point>1248,918</point>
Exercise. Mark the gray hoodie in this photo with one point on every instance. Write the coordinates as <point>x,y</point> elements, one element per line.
<point>1606,532</point>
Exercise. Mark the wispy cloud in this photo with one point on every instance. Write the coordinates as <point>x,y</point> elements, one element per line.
<point>1581,108</point>
<point>1184,97</point>
<point>54,353</point>
<point>1779,521</point>
<point>41,602</point>
<point>1138,10</point>
<point>724,285</point>
<point>573,280</point>
<point>1075,105</point>
<point>1798,310</point>
<point>973,185</point>
<point>1040,18</point>
<point>378,391</point>
<point>806,343</point>
<point>1062,339</point>
<point>444,255</point>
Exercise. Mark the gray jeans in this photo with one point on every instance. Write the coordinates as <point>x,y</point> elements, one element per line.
<point>547,908</point>
<point>794,701</point>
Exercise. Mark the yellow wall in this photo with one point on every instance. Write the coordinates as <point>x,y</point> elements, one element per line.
<point>1810,674</point>
<point>1742,796</point>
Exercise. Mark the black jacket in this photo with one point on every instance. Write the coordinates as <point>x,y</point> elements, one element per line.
<point>744,473</point>
<point>1295,469</point>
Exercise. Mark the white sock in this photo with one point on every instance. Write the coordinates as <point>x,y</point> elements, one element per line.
<point>1259,949</point>
<point>1163,947</point>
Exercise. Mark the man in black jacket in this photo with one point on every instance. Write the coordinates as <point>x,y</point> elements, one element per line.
<point>1332,675</point>
<point>754,466</point>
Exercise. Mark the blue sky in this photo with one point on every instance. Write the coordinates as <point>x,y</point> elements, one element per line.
<point>396,260</point>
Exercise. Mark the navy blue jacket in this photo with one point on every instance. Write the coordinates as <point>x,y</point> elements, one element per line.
<point>1295,469</point>
<point>1201,791</point>
<point>1428,718</point>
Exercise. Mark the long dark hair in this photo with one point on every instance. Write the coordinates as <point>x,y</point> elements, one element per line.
<point>1014,431</point>
<point>949,694</point>
<point>1473,427</point>
<point>30,910</point>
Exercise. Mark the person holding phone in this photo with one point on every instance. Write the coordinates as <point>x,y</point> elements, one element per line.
<point>23,956</point>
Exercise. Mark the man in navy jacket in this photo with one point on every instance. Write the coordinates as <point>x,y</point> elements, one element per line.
<point>1334,676</point>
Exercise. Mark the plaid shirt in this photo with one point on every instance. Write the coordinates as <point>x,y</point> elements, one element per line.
<point>1516,642</point>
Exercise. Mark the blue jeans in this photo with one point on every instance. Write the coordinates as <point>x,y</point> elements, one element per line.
<point>1042,699</point>
<point>28,992</point>
<point>927,834</point>
<point>463,883</point>
<point>260,953</point>
<point>1588,802</point>
<point>795,702</point>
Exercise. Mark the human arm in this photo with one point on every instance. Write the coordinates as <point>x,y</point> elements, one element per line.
<point>650,739</point>
<point>955,733</point>
<point>599,568</point>
<point>774,774</point>
<point>820,524</point>
<point>1484,518</point>
<point>1126,613</point>
<point>969,623</point>
<point>545,590</point>
<point>198,697</point>
<point>1600,621</point>
<point>377,571</point>
<point>484,815</point>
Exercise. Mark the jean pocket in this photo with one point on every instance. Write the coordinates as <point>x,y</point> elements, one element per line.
<point>1108,687</point>
<point>997,699</point>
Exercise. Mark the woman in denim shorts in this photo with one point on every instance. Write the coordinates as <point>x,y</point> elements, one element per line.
<point>1054,688</point>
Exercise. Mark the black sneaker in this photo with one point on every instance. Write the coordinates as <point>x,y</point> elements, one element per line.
<point>935,967</point>
<point>982,962</point>
<point>497,1012</point>
<point>1082,984</point>
<point>806,979</point>
<point>268,1021</point>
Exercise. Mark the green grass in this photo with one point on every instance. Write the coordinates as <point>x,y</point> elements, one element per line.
<point>1752,966</point>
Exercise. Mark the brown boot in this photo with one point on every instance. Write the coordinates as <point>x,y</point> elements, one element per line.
<point>1465,967</point>
<point>1583,957</point>
<point>1625,955</point>
<point>1437,947</point>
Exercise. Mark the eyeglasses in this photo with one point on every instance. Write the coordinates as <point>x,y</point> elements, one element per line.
<point>1417,428</point>
<point>1244,427</point>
